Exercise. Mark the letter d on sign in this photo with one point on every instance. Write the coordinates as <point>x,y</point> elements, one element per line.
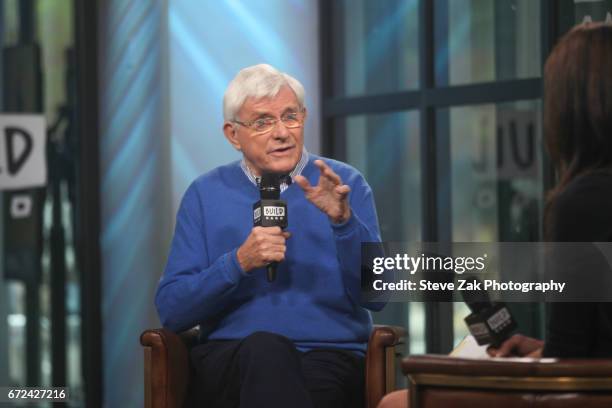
<point>22,151</point>
<point>15,159</point>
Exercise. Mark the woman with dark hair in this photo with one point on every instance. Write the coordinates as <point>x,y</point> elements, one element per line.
<point>578,136</point>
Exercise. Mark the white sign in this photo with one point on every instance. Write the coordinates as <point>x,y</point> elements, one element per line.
<point>23,160</point>
<point>21,206</point>
<point>517,144</point>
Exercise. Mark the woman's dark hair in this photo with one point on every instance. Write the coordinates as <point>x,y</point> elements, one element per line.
<point>578,104</point>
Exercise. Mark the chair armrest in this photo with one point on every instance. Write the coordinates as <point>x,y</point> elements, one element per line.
<point>443,364</point>
<point>380,362</point>
<point>437,380</point>
<point>166,367</point>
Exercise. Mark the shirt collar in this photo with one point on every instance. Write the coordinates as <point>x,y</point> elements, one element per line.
<point>297,170</point>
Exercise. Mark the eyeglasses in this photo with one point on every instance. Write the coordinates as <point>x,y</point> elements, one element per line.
<point>291,120</point>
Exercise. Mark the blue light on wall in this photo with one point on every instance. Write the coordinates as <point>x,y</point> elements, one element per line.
<point>210,42</point>
<point>164,67</point>
<point>134,185</point>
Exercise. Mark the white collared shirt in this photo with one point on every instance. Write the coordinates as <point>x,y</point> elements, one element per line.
<point>299,167</point>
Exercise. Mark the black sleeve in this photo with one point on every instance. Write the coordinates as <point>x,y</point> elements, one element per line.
<point>570,329</point>
<point>580,214</point>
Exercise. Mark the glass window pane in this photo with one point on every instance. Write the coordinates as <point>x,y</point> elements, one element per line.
<point>385,148</point>
<point>496,179</point>
<point>496,171</point>
<point>40,278</point>
<point>484,40</point>
<point>375,45</point>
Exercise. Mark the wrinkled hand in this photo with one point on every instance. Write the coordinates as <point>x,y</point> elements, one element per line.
<point>518,345</point>
<point>263,246</point>
<point>329,195</point>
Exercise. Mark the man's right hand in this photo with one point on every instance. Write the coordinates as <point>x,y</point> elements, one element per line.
<point>263,246</point>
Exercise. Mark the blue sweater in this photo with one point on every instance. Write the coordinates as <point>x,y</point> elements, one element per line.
<point>315,300</point>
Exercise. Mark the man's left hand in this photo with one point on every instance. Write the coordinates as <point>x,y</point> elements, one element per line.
<point>329,195</point>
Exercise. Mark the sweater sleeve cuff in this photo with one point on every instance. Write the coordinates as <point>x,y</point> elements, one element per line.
<point>347,226</point>
<point>233,271</point>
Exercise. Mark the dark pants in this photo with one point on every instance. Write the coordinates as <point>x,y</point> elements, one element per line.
<point>266,370</point>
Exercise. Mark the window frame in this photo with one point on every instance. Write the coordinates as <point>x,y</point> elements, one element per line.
<point>426,99</point>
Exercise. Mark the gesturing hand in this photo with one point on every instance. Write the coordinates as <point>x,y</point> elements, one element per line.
<point>264,245</point>
<point>329,195</point>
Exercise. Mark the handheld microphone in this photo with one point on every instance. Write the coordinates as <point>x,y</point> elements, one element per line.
<point>270,211</point>
<point>489,323</point>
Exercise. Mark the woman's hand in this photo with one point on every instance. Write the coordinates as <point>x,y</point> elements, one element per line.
<point>518,346</point>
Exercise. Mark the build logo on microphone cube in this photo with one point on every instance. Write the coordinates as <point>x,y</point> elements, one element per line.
<point>270,213</point>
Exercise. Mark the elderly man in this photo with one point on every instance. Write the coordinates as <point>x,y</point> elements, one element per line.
<point>300,340</point>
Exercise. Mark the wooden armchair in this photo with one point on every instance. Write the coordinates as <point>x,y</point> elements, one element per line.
<point>442,381</point>
<point>167,372</point>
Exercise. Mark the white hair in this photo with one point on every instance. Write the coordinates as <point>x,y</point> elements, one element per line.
<point>257,81</point>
